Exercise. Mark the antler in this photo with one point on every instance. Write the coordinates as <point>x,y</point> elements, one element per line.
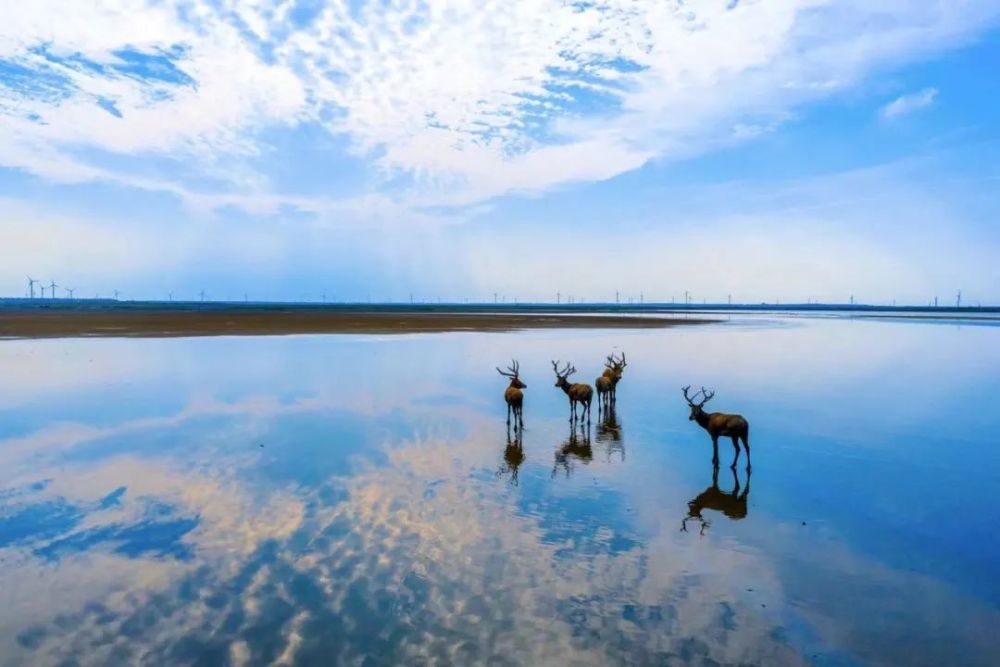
<point>689,399</point>
<point>513,369</point>
<point>614,362</point>
<point>706,397</point>
<point>564,373</point>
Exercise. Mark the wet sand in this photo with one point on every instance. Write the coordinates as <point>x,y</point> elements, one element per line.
<point>68,323</point>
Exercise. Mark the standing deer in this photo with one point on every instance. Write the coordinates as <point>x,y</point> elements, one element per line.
<point>732,504</point>
<point>607,384</point>
<point>513,395</point>
<point>719,423</point>
<point>578,392</point>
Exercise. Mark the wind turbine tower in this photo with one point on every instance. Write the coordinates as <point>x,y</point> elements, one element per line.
<point>52,289</point>
<point>69,291</point>
<point>31,286</point>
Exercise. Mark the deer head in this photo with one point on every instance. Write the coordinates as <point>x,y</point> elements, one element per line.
<point>561,375</point>
<point>620,364</point>
<point>512,373</point>
<point>696,408</point>
<point>613,367</point>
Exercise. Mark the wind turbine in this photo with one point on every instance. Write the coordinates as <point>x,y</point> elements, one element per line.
<point>31,286</point>
<point>70,290</point>
<point>202,295</point>
<point>40,285</point>
<point>116,294</point>
<point>52,289</point>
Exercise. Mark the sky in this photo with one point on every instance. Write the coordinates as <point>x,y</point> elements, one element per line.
<point>769,150</point>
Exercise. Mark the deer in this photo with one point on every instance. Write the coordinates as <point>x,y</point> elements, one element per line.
<point>608,382</point>
<point>513,395</point>
<point>732,504</point>
<point>719,423</point>
<point>578,392</point>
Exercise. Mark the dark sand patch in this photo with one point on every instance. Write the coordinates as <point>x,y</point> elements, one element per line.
<point>39,323</point>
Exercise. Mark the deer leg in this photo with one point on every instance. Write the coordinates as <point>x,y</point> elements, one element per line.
<point>736,450</point>
<point>746,445</point>
<point>715,451</point>
<point>508,413</point>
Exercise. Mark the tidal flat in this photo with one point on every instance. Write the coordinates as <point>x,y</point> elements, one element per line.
<point>358,498</point>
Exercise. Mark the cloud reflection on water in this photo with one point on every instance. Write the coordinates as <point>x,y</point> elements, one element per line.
<point>373,524</point>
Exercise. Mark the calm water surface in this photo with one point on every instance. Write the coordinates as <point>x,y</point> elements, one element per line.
<point>356,500</point>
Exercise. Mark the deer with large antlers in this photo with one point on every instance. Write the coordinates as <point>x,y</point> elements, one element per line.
<point>719,423</point>
<point>513,395</point>
<point>607,384</point>
<point>578,392</point>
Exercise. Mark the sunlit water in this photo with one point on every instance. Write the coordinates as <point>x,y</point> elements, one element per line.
<point>353,500</point>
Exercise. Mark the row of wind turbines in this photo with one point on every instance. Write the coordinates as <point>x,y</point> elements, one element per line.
<point>51,287</point>
<point>68,292</point>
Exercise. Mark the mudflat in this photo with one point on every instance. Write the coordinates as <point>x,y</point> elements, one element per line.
<point>63,323</point>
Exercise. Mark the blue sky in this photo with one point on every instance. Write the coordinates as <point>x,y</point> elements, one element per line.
<point>783,149</point>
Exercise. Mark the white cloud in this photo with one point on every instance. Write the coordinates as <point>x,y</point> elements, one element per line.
<point>458,103</point>
<point>906,104</point>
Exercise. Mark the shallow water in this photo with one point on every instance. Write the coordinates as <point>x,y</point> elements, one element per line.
<point>339,499</point>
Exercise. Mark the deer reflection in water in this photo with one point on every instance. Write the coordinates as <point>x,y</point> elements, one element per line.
<point>732,504</point>
<point>576,448</point>
<point>513,456</point>
<point>609,433</point>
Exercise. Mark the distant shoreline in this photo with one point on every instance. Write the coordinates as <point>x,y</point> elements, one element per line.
<point>151,322</point>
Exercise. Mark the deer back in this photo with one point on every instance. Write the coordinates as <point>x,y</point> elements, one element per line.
<point>513,396</point>
<point>726,424</point>
<point>580,391</point>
